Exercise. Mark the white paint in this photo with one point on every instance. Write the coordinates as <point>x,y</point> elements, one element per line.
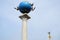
<point>24,29</point>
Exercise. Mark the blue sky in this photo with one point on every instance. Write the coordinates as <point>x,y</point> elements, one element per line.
<point>45,18</point>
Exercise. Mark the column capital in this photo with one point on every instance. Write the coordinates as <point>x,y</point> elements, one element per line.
<point>24,16</point>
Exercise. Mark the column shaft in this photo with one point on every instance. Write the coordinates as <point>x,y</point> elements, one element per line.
<point>24,29</point>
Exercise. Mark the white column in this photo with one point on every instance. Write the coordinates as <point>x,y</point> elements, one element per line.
<point>49,36</point>
<point>24,28</point>
<point>24,18</point>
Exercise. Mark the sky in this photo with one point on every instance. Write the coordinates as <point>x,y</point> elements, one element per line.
<point>45,18</point>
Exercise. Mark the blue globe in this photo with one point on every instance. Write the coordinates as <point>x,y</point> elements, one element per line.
<point>25,7</point>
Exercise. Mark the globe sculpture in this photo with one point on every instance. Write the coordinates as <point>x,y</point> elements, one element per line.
<point>25,7</point>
